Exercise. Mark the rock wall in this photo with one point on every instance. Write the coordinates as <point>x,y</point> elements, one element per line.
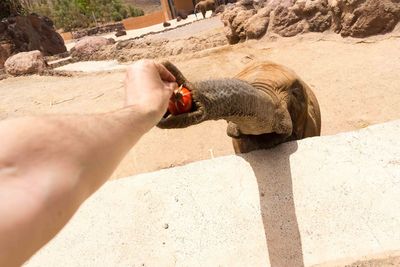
<point>98,30</point>
<point>131,50</point>
<point>88,46</point>
<point>250,19</point>
<point>28,33</point>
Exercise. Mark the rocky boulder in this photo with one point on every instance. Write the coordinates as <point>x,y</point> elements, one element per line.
<point>303,16</point>
<point>120,33</point>
<point>86,47</point>
<point>249,19</point>
<point>25,63</point>
<point>32,32</point>
<point>257,25</point>
<point>5,52</point>
<point>366,18</point>
<point>235,18</point>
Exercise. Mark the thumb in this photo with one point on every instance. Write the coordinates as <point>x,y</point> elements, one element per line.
<point>171,86</point>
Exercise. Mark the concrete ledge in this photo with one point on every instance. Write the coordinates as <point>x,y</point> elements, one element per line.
<point>302,204</point>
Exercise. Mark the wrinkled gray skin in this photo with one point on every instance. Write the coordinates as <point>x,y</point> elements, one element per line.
<point>265,105</point>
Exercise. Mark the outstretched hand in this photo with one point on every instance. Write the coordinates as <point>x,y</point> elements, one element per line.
<point>149,85</point>
<point>49,165</point>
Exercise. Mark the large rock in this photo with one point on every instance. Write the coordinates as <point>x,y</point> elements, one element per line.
<point>257,25</point>
<point>120,33</point>
<point>5,52</point>
<point>358,18</point>
<point>87,46</point>
<point>25,63</point>
<point>235,18</point>
<point>250,19</point>
<point>33,32</point>
<point>365,18</point>
<point>286,23</point>
<point>28,33</point>
<point>302,16</point>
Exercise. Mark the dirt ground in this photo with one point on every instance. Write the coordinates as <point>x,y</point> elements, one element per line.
<point>387,259</point>
<point>388,262</point>
<point>356,81</point>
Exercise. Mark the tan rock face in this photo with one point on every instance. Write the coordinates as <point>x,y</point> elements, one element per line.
<point>132,50</point>
<point>365,18</point>
<point>257,25</point>
<point>89,45</point>
<point>358,18</point>
<point>25,63</point>
<point>235,18</point>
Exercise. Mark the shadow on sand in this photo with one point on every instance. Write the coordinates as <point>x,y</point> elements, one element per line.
<point>274,178</point>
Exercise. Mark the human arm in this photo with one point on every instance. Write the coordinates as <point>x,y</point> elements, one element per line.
<point>49,165</point>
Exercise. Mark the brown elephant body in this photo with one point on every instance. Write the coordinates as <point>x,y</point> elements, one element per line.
<point>204,6</point>
<point>297,112</point>
<point>266,104</point>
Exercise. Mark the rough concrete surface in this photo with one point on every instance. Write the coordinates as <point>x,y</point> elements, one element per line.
<point>93,66</point>
<point>362,18</point>
<point>355,83</point>
<point>301,204</point>
<point>158,28</point>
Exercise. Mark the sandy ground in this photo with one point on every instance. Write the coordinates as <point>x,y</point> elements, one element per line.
<point>191,19</point>
<point>388,259</point>
<point>357,83</point>
<point>198,27</point>
<point>93,66</point>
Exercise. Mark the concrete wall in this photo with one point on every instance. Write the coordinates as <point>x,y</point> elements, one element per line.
<point>144,21</point>
<point>301,204</point>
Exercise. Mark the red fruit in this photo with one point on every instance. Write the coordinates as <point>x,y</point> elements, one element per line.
<point>180,101</point>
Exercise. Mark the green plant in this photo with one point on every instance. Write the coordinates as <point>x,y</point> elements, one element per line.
<point>75,14</point>
<point>116,16</point>
<point>9,7</point>
<point>134,11</point>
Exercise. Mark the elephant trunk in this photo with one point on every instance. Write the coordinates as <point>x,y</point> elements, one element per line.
<point>233,100</point>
